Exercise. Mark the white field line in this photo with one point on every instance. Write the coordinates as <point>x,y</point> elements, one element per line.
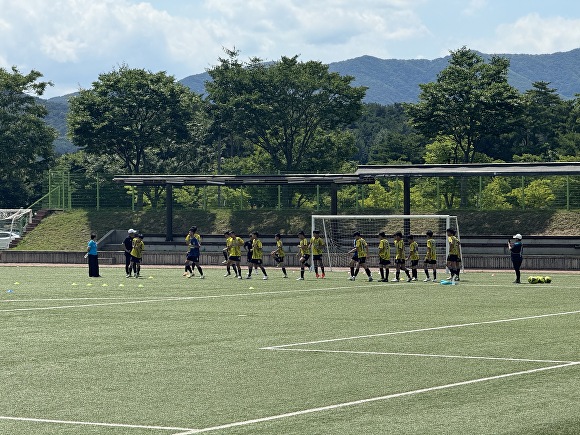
<point>181,298</point>
<point>426,355</point>
<point>90,423</point>
<point>372,399</point>
<point>411,331</point>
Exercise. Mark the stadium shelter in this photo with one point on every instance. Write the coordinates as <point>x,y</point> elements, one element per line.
<point>365,174</point>
<point>170,181</point>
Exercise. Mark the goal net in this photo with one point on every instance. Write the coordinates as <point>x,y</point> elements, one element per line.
<point>337,232</point>
<point>15,220</point>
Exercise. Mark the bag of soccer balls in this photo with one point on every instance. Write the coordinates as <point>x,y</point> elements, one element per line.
<point>539,279</point>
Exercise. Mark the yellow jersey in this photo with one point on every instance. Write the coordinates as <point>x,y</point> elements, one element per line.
<point>413,251</point>
<point>384,250</point>
<point>280,248</point>
<point>138,248</point>
<point>399,249</point>
<point>317,244</point>
<point>236,246</point>
<point>304,247</point>
<point>361,248</point>
<point>453,245</point>
<point>257,251</point>
<point>431,250</point>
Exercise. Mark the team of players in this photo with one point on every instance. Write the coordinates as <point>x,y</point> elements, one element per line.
<point>315,245</point>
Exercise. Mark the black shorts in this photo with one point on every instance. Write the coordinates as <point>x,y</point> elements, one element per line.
<point>249,257</point>
<point>135,260</point>
<point>384,262</point>
<point>400,261</point>
<point>193,257</point>
<point>279,259</point>
<point>355,257</point>
<point>430,261</point>
<point>256,261</point>
<point>317,257</point>
<point>361,260</point>
<point>235,258</point>
<point>414,263</point>
<point>453,258</point>
<point>306,257</point>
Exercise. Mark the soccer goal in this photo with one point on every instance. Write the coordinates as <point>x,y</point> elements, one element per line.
<point>337,232</point>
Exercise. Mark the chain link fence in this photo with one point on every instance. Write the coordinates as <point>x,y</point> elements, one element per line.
<point>66,191</point>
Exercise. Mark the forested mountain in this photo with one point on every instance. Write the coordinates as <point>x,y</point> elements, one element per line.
<point>392,81</point>
<point>397,81</point>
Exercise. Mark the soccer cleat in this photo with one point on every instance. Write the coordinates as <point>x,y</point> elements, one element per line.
<point>300,279</point>
<point>457,278</point>
<point>351,278</point>
<point>227,274</point>
<point>201,276</point>
<point>128,275</point>
<point>322,276</point>
<point>136,275</point>
<point>370,279</point>
<point>240,277</point>
<point>413,279</point>
<point>285,276</point>
<point>317,276</point>
<point>409,280</point>
<point>225,262</point>
<point>265,277</point>
<point>395,280</point>
<point>186,274</point>
<point>427,280</point>
<point>248,276</point>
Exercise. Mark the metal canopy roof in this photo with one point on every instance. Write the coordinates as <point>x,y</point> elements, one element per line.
<point>470,170</point>
<point>242,180</point>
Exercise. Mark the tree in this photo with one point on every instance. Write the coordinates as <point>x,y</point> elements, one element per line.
<point>470,102</point>
<point>147,121</point>
<point>25,139</point>
<point>292,110</point>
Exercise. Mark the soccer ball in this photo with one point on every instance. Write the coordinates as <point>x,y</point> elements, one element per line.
<point>547,279</point>
<point>533,279</point>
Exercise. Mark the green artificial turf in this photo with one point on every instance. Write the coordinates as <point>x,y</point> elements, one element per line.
<point>170,354</point>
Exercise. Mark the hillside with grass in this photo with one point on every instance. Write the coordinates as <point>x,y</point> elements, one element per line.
<point>69,231</point>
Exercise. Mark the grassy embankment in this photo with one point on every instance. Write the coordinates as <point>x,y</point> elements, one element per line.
<point>71,230</point>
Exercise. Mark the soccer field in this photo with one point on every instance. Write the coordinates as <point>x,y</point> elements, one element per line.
<point>169,355</point>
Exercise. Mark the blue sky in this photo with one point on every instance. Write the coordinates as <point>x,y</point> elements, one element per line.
<point>72,41</point>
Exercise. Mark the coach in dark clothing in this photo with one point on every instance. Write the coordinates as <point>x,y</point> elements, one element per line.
<point>516,249</point>
<point>128,245</point>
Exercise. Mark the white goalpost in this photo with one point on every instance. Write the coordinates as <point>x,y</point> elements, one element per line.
<point>337,232</point>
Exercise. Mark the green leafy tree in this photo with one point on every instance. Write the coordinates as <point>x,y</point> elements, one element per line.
<point>146,121</point>
<point>470,102</point>
<point>293,110</point>
<point>25,139</point>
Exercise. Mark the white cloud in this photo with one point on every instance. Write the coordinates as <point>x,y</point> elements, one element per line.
<point>474,6</point>
<point>535,34</point>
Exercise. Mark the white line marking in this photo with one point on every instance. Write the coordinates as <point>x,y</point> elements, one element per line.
<point>180,298</point>
<point>372,399</point>
<point>428,355</point>
<point>435,328</point>
<point>88,423</point>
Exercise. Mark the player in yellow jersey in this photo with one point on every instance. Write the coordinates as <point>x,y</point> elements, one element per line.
<point>137,254</point>
<point>304,253</point>
<point>399,245</point>
<point>384,256</point>
<point>361,251</point>
<point>317,244</point>
<point>257,256</point>
<point>279,254</point>
<point>430,258</point>
<point>235,250</point>
<point>413,256</point>
<point>454,257</point>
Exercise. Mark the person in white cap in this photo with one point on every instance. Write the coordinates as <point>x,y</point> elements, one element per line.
<point>127,246</point>
<point>516,250</point>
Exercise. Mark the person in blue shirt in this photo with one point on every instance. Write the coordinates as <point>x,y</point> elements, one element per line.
<point>93,257</point>
<point>516,251</point>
